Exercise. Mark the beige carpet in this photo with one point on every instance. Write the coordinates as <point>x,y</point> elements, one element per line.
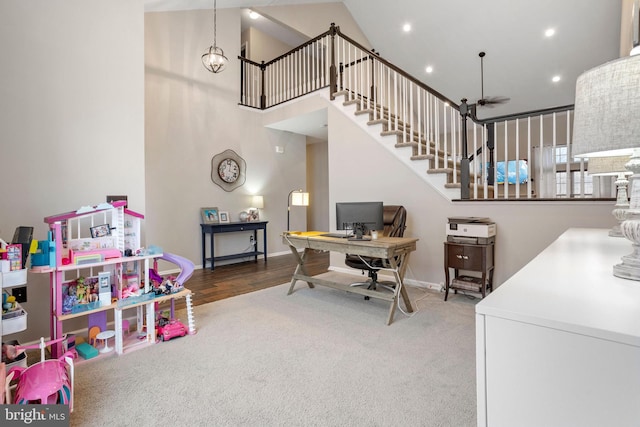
<point>318,357</point>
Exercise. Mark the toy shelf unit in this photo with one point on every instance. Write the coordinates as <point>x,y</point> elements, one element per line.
<point>14,317</point>
<point>97,255</point>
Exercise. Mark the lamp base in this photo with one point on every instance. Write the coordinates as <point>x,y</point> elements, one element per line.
<point>630,266</point>
<point>615,231</point>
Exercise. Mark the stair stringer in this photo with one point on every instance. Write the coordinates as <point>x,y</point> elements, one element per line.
<point>420,166</point>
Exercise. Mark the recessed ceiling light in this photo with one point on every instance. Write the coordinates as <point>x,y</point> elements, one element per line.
<point>406,28</point>
<point>555,79</point>
<point>549,32</point>
<point>429,69</point>
<point>254,15</point>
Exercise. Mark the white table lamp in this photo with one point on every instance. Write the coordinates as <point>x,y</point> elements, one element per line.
<point>606,124</point>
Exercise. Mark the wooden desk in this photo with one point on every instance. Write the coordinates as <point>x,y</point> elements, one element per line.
<point>233,227</point>
<point>394,249</point>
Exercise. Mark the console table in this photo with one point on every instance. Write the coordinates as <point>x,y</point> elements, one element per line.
<point>233,227</point>
<point>558,344</point>
<point>395,250</point>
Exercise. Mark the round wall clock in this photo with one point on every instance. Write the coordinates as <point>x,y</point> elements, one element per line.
<point>228,170</point>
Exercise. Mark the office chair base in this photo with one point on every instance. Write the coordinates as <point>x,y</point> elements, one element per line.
<point>390,286</point>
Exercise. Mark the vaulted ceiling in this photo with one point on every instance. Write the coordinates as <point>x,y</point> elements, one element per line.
<point>448,35</point>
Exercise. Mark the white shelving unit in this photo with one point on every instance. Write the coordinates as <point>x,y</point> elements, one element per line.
<point>16,321</point>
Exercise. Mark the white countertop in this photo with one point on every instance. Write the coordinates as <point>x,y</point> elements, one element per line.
<point>570,286</point>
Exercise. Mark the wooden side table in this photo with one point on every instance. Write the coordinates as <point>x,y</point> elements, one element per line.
<point>468,257</point>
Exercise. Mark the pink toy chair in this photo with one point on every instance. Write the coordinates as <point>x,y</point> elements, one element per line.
<point>47,382</point>
<point>125,328</point>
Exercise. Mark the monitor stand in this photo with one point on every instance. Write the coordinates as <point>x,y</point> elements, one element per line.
<point>358,228</point>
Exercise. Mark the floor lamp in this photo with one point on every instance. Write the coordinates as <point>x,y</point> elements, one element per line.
<point>606,124</point>
<point>296,198</point>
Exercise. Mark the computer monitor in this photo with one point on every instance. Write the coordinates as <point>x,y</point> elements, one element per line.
<point>359,217</point>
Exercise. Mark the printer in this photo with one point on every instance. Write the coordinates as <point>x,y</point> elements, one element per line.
<point>469,229</point>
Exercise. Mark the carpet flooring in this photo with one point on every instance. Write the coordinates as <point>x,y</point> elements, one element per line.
<point>318,357</point>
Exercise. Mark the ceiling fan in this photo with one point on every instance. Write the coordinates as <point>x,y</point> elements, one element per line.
<point>488,101</point>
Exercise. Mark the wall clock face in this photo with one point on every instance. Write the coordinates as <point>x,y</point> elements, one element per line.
<point>228,170</point>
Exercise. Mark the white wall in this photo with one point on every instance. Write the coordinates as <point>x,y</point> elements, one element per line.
<point>192,115</point>
<point>318,184</point>
<point>360,169</point>
<point>71,128</point>
<point>314,19</point>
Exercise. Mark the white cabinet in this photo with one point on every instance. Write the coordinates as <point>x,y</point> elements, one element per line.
<point>558,344</point>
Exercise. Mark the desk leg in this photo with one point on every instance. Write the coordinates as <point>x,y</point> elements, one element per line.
<point>400,290</point>
<point>299,268</point>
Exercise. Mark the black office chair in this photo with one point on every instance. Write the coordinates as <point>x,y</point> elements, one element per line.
<point>395,218</point>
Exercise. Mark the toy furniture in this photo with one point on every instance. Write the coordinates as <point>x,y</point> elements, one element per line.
<point>104,336</point>
<point>93,333</point>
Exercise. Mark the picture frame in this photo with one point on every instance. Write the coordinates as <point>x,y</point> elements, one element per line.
<point>102,230</point>
<point>224,217</point>
<point>210,215</point>
<point>254,215</point>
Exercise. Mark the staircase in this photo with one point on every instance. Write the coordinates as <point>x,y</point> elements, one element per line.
<point>440,140</point>
<point>436,167</point>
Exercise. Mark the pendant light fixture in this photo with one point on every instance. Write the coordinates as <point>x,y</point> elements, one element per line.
<point>214,59</point>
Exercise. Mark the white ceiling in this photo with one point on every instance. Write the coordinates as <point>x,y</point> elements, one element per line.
<point>448,35</point>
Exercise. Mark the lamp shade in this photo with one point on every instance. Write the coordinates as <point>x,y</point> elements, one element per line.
<point>608,165</point>
<point>257,202</point>
<point>606,109</point>
<point>299,199</point>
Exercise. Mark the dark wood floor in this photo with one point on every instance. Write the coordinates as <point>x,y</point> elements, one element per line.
<point>244,277</point>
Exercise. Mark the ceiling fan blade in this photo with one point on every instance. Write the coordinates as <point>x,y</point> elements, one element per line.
<point>493,100</point>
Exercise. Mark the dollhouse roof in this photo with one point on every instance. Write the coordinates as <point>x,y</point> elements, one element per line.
<point>91,209</point>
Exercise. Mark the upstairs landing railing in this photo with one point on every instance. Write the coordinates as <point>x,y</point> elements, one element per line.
<point>474,153</point>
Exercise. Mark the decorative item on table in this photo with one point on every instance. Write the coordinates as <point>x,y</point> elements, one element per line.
<point>243,216</point>
<point>605,125</point>
<point>210,215</point>
<point>257,203</point>
<point>224,217</point>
